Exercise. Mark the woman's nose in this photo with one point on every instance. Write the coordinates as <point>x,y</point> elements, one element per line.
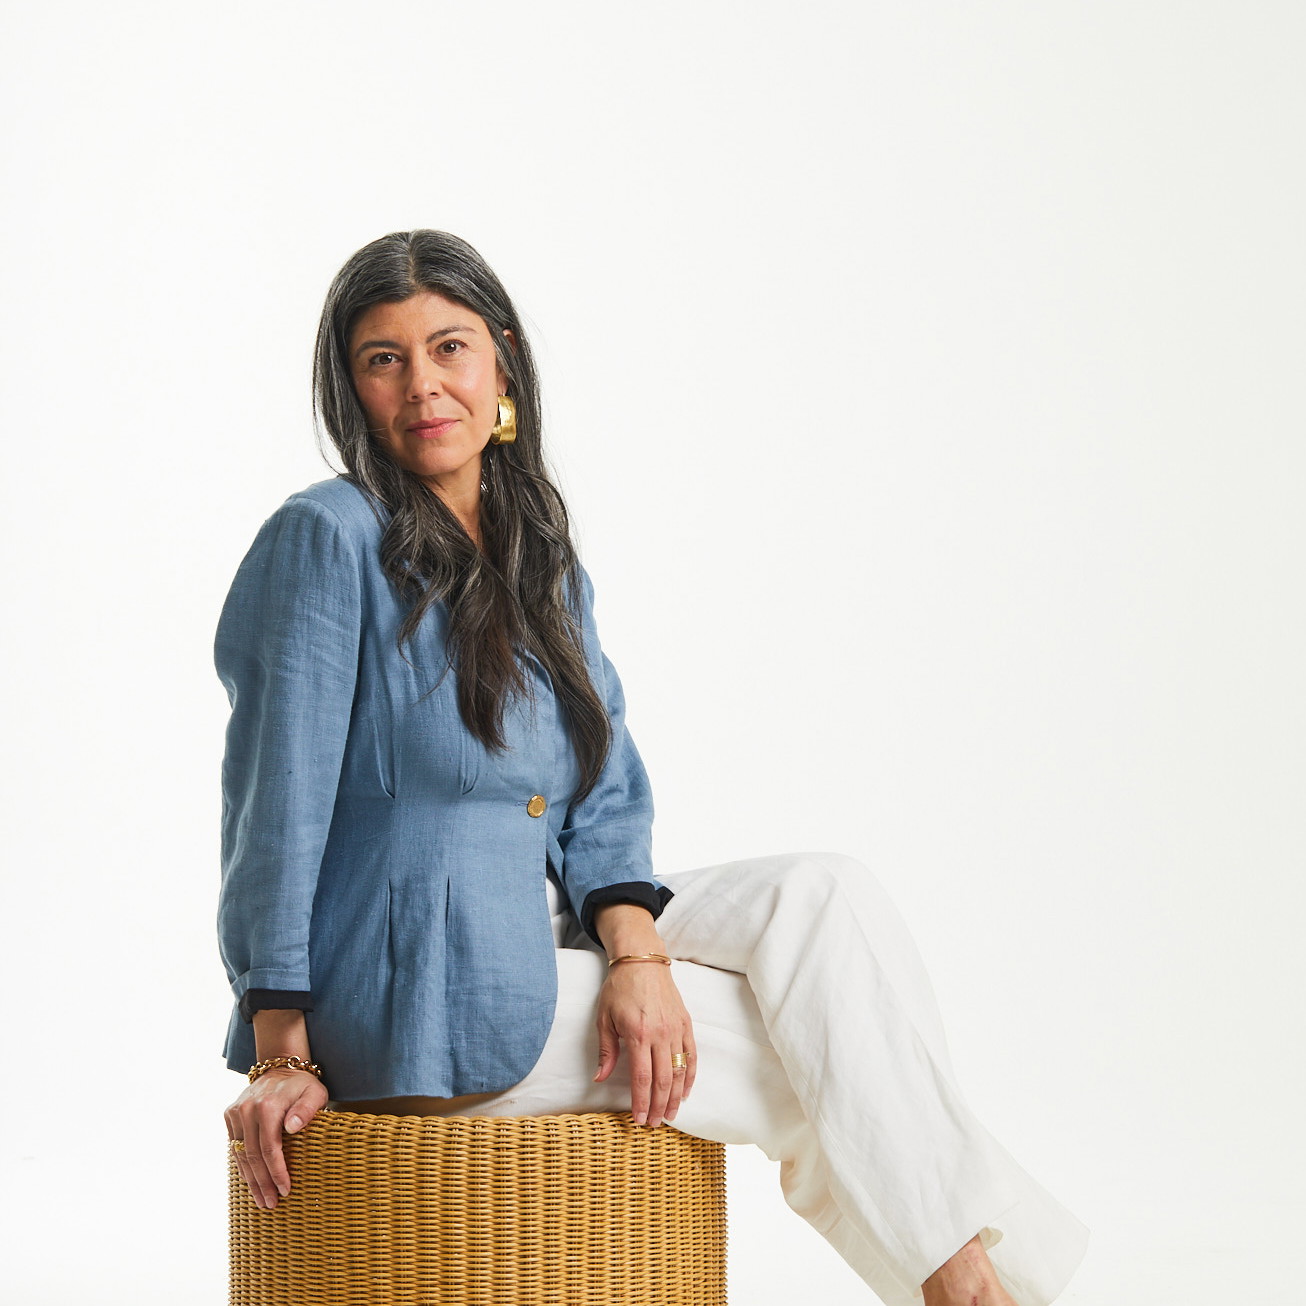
<point>423,379</point>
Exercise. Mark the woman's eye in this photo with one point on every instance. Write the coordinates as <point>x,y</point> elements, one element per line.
<point>450,346</point>
<point>380,360</point>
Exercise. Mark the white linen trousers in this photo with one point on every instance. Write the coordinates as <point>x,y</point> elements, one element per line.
<point>819,1040</point>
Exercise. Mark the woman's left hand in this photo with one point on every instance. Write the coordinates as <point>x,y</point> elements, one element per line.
<point>640,1009</point>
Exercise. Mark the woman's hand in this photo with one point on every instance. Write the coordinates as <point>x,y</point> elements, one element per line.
<point>277,1100</point>
<point>280,1099</point>
<point>640,1009</point>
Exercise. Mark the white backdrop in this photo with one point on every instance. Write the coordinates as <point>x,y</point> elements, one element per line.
<point>926,381</point>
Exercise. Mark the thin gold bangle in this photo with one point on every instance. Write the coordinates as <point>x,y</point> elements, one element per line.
<point>660,957</point>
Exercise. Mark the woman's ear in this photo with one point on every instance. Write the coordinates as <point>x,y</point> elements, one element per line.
<point>512,344</point>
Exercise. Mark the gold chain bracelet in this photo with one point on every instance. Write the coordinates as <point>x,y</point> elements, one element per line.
<point>660,957</point>
<point>290,1063</point>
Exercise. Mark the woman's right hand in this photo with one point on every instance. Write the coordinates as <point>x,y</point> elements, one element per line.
<point>278,1100</point>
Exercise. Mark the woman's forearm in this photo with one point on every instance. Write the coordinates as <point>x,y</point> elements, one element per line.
<point>282,1034</point>
<point>625,928</point>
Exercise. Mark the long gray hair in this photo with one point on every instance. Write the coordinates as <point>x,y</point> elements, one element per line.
<point>511,596</point>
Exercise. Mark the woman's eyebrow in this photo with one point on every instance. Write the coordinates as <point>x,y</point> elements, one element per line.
<point>394,344</point>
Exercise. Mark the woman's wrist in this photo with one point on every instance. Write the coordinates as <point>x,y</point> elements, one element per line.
<point>280,1033</point>
<point>293,1065</point>
<point>627,928</point>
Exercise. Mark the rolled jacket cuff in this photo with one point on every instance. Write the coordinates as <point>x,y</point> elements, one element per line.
<point>253,1000</point>
<point>652,896</point>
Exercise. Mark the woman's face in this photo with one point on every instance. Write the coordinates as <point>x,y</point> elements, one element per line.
<point>426,374</point>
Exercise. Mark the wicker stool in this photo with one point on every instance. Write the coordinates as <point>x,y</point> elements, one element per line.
<point>569,1210</point>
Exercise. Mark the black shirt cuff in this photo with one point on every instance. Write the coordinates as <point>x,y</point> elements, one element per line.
<point>640,892</point>
<point>253,1000</point>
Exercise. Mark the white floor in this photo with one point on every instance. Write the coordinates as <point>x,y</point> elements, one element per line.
<point>96,1236</point>
<point>1142,1254</point>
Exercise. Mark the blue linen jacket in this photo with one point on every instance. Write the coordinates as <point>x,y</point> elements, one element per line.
<point>374,852</point>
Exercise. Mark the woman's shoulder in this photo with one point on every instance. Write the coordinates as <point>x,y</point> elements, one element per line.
<point>333,508</point>
<point>339,498</point>
<point>319,527</point>
<point>320,541</point>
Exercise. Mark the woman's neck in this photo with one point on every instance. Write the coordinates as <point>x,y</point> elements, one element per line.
<point>464,501</point>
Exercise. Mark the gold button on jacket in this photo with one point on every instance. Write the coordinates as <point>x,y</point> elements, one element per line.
<point>536,805</point>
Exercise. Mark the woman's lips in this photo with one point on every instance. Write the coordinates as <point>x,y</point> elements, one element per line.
<point>428,430</point>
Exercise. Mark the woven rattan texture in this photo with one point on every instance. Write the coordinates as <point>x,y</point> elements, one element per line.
<point>567,1210</point>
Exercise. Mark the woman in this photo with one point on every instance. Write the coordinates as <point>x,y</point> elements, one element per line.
<point>437,880</point>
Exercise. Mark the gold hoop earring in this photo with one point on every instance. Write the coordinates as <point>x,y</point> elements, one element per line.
<point>504,431</point>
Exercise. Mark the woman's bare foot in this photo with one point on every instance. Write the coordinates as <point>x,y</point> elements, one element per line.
<point>966,1279</point>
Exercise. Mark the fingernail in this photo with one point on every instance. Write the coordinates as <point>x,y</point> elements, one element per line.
<point>293,1122</point>
<point>283,1189</point>
<point>641,1119</point>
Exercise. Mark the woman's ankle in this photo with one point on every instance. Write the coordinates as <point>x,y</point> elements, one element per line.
<point>967,1278</point>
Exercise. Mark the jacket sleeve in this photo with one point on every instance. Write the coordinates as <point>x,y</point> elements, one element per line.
<point>287,653</point>
<point>607,840</point>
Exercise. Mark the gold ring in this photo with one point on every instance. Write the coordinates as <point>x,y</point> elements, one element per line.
<point>237,1144</point>
<point>679,1061</point>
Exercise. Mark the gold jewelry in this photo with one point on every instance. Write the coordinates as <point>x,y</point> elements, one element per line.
<point>642,956</point>
<point>290,1063</point>
<point>679,1061</point>
<point>504,431</point>
<point>237,1144</point>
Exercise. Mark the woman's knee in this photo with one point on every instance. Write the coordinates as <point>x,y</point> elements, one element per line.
<point>818,875</point>
<point>734,900</point>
